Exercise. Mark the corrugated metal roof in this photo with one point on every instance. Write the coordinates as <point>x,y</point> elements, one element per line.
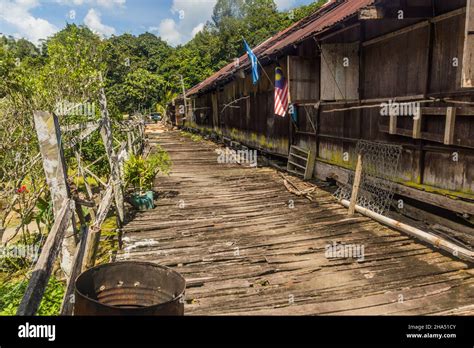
<point>328,15</point>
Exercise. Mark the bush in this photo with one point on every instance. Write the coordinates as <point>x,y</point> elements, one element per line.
<point>140,172</point>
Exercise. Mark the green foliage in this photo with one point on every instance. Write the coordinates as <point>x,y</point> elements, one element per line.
<point>140,90</point>
<point>44,213</point>
<point>11,294</point>
<point>140,172</point>
<point>75,60</point>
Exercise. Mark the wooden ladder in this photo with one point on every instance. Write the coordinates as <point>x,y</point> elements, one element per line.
<point>301,162</point>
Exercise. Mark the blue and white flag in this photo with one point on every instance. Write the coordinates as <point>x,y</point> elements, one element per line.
<point>254,60</point>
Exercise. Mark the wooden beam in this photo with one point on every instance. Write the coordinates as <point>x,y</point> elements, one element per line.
<point>54,164</point>
<point>468,55</point>
<point>356,186</point>
<point>417,120</point>
<point>395,34</point>
<point>41,273</point>
<point>93,238</point>
<point>436,110</point>
<point>450,124</point>
<point>326,170</point>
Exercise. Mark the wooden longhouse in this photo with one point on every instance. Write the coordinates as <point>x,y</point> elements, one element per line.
<point>342,63</point>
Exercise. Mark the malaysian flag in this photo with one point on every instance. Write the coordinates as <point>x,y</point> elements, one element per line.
<point>281,93</point>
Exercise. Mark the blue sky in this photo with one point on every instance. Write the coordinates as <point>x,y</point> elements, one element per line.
<point>176,21</point>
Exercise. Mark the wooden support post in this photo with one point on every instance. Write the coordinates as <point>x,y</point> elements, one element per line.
<point>468,55</point>
<point>49,139</point>
<point>393,123</point>
<point>129,141</point>
<point>107,138</point>
<point>449,128</point>
<point>44,266</point>
<point>133,150</point>
<point>308,175</point>
<point>417,125</point>
<point>355,188</point>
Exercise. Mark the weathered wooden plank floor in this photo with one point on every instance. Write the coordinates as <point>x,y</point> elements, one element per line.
<point>230,231</point>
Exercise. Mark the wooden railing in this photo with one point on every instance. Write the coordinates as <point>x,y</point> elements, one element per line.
<point>78,247</point>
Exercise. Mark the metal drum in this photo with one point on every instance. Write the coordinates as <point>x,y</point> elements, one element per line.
<point>130,288</point>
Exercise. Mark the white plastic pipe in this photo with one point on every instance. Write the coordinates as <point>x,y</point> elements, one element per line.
<point>454,249</point>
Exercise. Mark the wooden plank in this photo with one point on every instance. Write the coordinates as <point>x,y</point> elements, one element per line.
<point>303,79</point>
<point>440,111</point>
<point>93,238</point>
<point>395,34</point>
<point>67,305</point>
<point>81,126</point>
<point>243,250</point>
<point>356,186</point>
<point>468,54</point>
<point>42,271</point>
<point>450,126</point>
<point>54,165</point>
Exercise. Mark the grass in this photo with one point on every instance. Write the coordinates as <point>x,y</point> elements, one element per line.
<point>11,293</point>
<point>193,137</point>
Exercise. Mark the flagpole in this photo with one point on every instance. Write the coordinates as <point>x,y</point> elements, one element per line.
<point>268,77</point>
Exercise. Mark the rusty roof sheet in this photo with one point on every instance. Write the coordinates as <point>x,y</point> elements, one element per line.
<point>333,12</point>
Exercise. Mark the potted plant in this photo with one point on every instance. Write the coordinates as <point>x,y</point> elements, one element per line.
<point>140,172</point>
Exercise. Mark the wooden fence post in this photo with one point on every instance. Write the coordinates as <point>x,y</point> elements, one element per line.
<point>49,138</point>
<point>44,266</point>
<point>355,188</point>
<point>107,138</point>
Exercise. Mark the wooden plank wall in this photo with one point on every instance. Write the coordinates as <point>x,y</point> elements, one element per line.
<point>340,71</point>
<point>392,68</point>
<point>399,67</point>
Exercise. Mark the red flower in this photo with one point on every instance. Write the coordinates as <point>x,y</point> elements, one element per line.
<point>23,189</point>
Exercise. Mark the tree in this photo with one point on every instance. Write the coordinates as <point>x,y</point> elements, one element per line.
<point>140,90</point>
<point>228,9</point>
<point>75,61</point>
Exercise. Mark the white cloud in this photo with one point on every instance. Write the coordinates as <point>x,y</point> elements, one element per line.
<point>109,4</point>
<point>284,4</point>
<point>168,31</point>
<point>94,22</point>
<point>197,29</point>
<point>17,14</point>
<point>191,16</point>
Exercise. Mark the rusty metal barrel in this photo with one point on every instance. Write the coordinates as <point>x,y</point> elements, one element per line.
<point>128,289</point>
